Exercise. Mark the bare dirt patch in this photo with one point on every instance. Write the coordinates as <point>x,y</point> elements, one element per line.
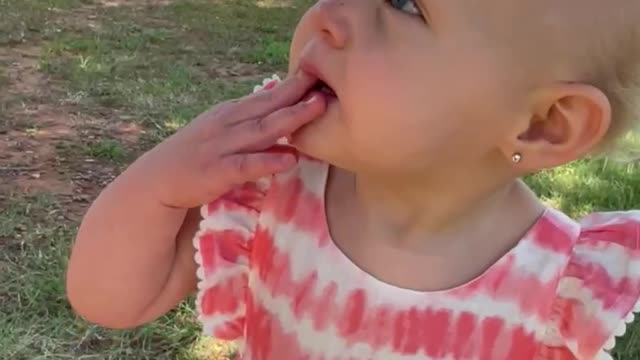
<point>42,138</point>
<point>30,129</point>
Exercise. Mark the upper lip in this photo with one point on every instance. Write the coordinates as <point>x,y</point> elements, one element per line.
<point>312,69</point>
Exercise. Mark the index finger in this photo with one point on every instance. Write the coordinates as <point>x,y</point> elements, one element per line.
<point>286,93</point>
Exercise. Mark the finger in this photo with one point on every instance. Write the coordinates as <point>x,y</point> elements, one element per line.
<point>262,132</point>
<point>240,168</point>
<point>288,92</point>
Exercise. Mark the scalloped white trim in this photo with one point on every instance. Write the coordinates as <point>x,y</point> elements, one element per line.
<point>265,81</point>
<point>200,269</point>
<point>620,330</point>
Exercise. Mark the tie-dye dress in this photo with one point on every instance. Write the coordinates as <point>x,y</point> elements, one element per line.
<point>272,279</point>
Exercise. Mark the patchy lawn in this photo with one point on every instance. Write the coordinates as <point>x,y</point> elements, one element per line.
<point>85,86</point>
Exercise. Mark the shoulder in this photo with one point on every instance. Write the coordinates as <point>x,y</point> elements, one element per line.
<point>599,289</point>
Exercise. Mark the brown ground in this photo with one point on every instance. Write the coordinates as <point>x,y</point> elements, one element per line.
<point>42,135</point>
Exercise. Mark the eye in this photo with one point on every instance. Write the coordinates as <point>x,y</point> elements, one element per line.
<point>408,6</point>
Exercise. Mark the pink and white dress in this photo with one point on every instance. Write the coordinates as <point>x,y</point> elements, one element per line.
<point>272,279</point>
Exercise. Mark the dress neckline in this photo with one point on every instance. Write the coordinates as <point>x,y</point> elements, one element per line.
<point>372,281</point>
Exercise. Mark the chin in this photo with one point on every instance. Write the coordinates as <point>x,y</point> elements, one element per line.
<point>303,140</point>
<point>320,148</point>
<point>324,138</point>
<point>307,141</point>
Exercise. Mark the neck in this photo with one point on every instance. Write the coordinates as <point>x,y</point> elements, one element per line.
<point>438,207</point>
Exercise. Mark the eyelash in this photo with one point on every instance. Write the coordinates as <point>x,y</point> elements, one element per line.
<point>403,3</point>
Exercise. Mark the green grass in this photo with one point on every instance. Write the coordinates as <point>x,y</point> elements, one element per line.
<point>36,321</point>
<point>28,20</point>
<point>109,150</point>
<point>589,185</point>
<point>167,72</point>
<point>161,65</point>
<point>271,52</point>
<point>4,81</point>
<point>3,78</point>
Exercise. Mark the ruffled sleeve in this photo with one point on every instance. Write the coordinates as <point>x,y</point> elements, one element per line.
<point>223,247</point>
<point>599,291</point>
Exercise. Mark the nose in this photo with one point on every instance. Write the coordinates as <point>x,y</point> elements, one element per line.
<point>331,19</point>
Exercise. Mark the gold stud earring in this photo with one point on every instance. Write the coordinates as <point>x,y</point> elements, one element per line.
<point>517,157</point>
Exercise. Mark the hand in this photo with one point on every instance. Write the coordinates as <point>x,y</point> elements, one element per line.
<point>229,145</point>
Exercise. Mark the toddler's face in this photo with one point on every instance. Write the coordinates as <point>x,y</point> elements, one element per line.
<point>418,83</point>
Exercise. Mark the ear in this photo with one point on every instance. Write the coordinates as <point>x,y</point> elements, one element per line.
<point>565,123</point>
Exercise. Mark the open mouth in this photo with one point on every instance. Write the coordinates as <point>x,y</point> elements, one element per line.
<point>322,87</point>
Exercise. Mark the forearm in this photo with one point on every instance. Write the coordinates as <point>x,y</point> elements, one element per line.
<point>124,254</point>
